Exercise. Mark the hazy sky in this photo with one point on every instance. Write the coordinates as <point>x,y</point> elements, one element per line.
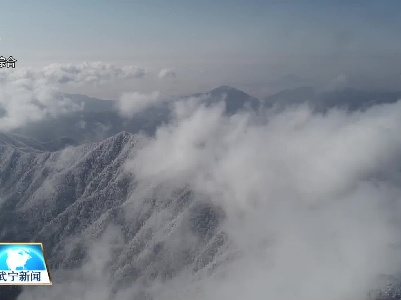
<point>245,43</point>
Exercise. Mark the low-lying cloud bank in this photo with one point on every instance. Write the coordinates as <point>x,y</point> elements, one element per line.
<point>312,201</point>
<point>80,74</point>
<point>90,72</point>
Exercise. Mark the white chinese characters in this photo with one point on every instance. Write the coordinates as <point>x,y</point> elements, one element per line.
<point>7,62</point>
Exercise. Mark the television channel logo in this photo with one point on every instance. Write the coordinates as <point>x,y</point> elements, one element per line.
<point>23,264</point>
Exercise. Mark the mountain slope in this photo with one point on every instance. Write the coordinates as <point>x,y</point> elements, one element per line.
<point>67,198</point>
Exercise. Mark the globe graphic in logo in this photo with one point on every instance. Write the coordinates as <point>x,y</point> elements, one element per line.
<point>22,258</point>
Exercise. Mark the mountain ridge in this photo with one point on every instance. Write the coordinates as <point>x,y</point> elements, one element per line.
<point>347,98</point>
<point>93,192</point>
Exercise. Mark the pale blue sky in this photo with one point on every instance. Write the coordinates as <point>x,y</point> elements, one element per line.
<point>260,39</point>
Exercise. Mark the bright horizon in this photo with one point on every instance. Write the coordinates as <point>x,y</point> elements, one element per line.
<point>257,46</point>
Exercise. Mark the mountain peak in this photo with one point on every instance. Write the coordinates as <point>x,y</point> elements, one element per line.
<point>225,89</point>
<point>234,99</point>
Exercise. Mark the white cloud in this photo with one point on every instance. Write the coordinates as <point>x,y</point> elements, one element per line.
<point>167,74</point>
<point>312,202</point>
<point>89,72</point>
<point>25,98</point>
<point>77,74</point>
<point>30,94</point>
<point>130,104</point>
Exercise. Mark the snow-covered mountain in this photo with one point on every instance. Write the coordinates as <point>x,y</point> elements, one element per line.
<point>65,182</point>
<point>64,194</point>
<point>65,198</point>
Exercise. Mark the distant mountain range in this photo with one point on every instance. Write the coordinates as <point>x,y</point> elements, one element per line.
<point>91,104</point>
<point>100,118</point>
<point>349,99</point>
